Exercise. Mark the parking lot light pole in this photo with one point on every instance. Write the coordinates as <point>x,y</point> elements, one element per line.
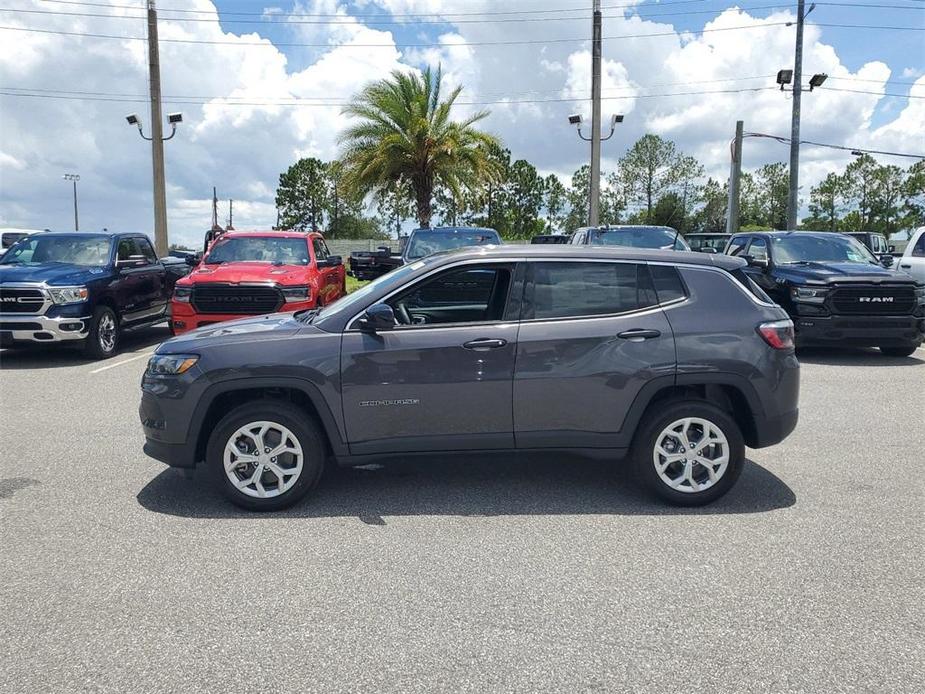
<point>73,178</point>
<point>595,189</point>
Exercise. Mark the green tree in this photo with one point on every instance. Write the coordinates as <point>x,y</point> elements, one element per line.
<point>860,186</point>
<point>302,195</point>
<point>772,184</point>
<point>524,199</point>
<point>649,170</point>
<point>394,205</point>
<point>404,132</point>
<point>914,196</point>
<point>826,201</point>
<point>578,195</point>
<point>554,202</point>
<point>668,211</point>
<point>687,174</point>
<point>713,199</point>
<point>887,198</point>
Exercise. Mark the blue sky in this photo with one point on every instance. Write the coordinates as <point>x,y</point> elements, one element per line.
<point>687,87</point>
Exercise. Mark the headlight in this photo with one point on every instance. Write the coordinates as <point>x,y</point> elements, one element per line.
<point>920,295</point>
<point>182,294</point>
<point>811,295</point>
<point>171,364</point>
<point>296,294</point>
<point>68,295</point>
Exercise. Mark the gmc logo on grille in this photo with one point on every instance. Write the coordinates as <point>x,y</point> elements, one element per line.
<point>875,299</point>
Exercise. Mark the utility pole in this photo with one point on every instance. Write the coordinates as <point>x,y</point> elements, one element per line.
<point>230,226</point>
<point>157,135</point>
<point>595,202</point>
<point>793,201</point>
<point>73,178</point>
<point>735,177</point>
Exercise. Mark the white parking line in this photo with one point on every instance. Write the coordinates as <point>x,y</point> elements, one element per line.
<point>120,363</point>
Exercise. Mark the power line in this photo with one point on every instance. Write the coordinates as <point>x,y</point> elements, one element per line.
<point>268,43</point>
<point>522,42</point>
<point>786,140</point>
<point>483,13</point>
<point>203,100</point>
<point>352,20</point>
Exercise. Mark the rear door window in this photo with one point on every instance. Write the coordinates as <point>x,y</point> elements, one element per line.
<point>758,249</point>
<point>145,249</point>
<point>668,284</point>
<point>584,289</point>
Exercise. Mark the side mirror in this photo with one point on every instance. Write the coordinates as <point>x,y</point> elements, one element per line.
<point>761,263</point>
<point>892,248</point>
<point>384,251</point>
<point>193,260</point>
<point>377,317</point>
<point>331,261</point>
<point>886,260</point>
<point>132,261</point>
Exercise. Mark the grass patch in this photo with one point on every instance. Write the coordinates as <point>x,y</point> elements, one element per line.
<point>353,284</point>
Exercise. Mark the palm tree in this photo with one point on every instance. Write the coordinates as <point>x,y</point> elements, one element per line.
<point>404,134</point>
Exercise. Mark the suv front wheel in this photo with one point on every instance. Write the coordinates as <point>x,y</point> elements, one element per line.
<point>689,453</point>
<point>266,455</point>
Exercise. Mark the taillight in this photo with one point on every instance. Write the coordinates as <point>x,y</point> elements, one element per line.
<point>778,334</point>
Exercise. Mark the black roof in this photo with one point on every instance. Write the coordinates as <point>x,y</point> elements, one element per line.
<point>566,252</point>
<point>110,234</point>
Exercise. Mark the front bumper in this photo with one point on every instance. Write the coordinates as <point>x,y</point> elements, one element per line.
<point>18,328</point>
<point>859,330</point>
<point>184,318</point>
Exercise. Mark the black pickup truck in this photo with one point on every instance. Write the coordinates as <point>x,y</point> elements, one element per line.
<point>419,244</point>
<point>83,288</point>
<point>835,290</point>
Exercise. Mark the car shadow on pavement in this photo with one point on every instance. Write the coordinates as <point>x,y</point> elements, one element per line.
<point>857,356</point>
<point>53,356</point>
<point>482,487</point>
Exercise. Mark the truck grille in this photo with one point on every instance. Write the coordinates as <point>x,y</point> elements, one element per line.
<point>246,301</point>
<point>21,300</point>
<point>882,301</point>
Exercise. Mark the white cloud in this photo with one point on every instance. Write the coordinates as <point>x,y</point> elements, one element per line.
<point>241,140</point>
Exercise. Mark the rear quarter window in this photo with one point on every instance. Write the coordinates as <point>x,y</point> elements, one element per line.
<point>668,284</point>
<point>751,287</point>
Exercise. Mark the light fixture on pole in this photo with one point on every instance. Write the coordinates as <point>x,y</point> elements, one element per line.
<point>817,80</point>
<point>576,120</point>
<point>73,178</point>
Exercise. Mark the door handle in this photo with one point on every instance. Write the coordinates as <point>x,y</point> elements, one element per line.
<point>906,266</point>
<point>484,343</point>
<point>639,335</point>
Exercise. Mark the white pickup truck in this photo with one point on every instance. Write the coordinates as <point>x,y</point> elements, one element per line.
<point>912,261</point>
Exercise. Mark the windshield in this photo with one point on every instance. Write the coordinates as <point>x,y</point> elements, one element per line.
<point>259,249</point>
<point>428,242</point>
<point>357,298</point>
<point>698,242</point>
<point>823,249</point>
<point>639,237</point>
<point>85,249</point>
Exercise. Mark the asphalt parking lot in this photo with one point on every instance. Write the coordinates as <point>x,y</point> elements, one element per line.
<point>463,575</point>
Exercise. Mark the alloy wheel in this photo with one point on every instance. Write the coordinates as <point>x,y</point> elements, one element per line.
<point>691,454</point>
<point>106,332</point>
<point>263,459</point>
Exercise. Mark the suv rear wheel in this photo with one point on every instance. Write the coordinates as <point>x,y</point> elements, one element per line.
<point>689,453</point>
<point>265,455</point>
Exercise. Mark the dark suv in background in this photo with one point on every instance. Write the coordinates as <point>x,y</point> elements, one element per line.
<point>630,236</point>
<point>836,291</point>
<point>676,359</point>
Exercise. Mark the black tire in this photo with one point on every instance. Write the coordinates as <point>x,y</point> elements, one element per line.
<point>98,345</point>
<point>303,428</point>
<point>655,421</point>
<point>902,351</point>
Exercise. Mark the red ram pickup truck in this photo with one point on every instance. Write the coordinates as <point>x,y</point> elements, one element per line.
<point>248,273</point>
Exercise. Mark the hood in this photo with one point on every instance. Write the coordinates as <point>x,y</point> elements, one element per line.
<point>257,328</point>
<point>837,272</point>
<point>237,273</point>
<point>51,273</point>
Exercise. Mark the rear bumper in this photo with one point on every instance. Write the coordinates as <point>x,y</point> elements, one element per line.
<point>859,331</point>
<point>16,328</point>
<point>769,431</point>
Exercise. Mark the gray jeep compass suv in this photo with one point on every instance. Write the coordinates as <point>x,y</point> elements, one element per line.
<point>675,359</point>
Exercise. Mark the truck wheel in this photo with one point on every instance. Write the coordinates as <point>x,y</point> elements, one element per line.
<point>689,453</point>
<point>266,455</point>
<point>103,338</point>
<point>903,351</point>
